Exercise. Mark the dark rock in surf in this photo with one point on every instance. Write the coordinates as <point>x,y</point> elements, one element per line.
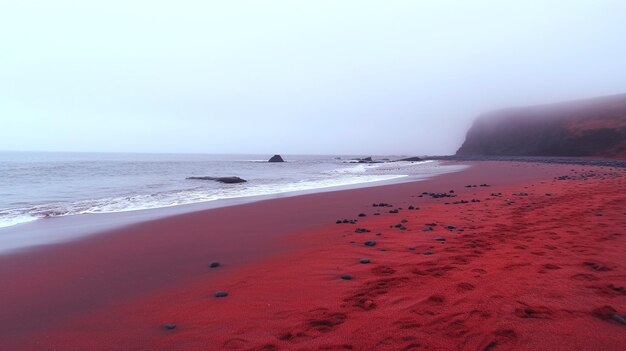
<point>276,158</point>
<point>225,180</point>
<point>411,159</point>
<point>220,294</point>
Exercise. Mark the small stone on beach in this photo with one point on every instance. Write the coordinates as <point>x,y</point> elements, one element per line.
<point>220,293</point>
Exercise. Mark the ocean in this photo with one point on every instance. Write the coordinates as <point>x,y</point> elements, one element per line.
<point>42,185</point>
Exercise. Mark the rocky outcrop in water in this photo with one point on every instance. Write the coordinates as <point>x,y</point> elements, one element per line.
<point>276,158</point>
<point>591,128</point>
<point>411,159</point>
<point>226,180</point>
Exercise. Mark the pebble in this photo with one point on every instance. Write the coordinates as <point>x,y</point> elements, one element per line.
<point>214,264</point>
<point>364,260</point>
<point>370,243</point>
<point>169,326</point>
<point>346,276</point>
<point>220,293</point>
<point>440,239</point>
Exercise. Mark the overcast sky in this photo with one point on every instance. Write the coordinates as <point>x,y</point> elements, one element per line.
<point>291,77</point>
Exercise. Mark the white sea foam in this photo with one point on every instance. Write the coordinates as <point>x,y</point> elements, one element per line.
<point>182,197</point>
<point>11,220</point>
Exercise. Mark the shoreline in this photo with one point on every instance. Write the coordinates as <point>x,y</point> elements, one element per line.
<point>59,229</point>
<point>126,283</point>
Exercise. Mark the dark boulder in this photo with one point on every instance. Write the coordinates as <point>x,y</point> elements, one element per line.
<point>226,180</point>
<point>220,294</point>
<point>276,158</point>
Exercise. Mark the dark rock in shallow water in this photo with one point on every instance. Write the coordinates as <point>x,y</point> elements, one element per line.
<point>220,294</point>
<point>226,180</point>
<point>411,159</point>
<point>276,158</point>
<point>169,326</point>
<point>370,243</point>
<point>364,260</point>
<point>346,277</point>
<point>214,264</point>
<point>440,239</point>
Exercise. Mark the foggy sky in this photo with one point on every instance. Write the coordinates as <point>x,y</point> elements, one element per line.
<point>291,77</point>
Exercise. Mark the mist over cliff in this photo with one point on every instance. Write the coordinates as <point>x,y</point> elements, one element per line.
<point>592,127</point>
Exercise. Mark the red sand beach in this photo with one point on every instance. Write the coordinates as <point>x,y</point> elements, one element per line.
<point>534,263</point>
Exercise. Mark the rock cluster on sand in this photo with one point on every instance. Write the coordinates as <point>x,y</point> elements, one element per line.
<point>226,180</point>
<point>276,158</point>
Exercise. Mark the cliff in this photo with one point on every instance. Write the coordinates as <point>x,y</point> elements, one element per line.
<point>590,128</point>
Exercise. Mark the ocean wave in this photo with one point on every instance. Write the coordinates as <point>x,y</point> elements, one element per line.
<point>352,176</point>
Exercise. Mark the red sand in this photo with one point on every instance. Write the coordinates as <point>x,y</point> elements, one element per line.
<point>534,274</point>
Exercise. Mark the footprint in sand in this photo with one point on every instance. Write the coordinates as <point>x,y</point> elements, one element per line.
<point>539,312</point>
<point>235,344</point>
<point>463,287</point>
<point>499,337</point>
<point>583,276</point>
<point>597,266</point>
<point>383,270</point>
